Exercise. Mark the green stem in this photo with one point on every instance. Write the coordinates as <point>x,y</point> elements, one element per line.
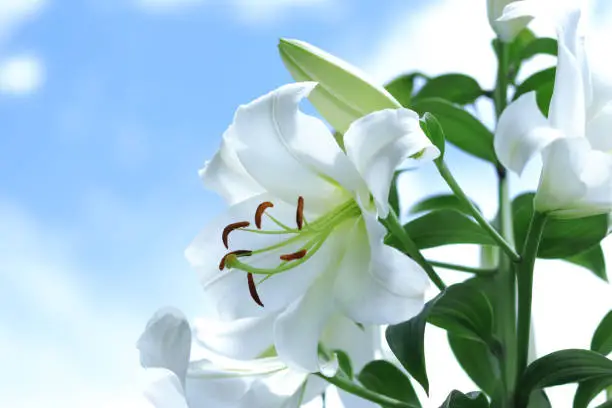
<point>454,186</point>
<point>462,268</point>
<point>525,288</point>
<point>500,94</point>
<point>395,227</point>
<point>364,393</point>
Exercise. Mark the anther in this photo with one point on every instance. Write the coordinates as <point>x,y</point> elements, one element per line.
<point>230,228</point>
<point>253,289</point>
<point>292,257</point>
<point>259,212</point>
<point>238,253</point>
<point>299,215</point>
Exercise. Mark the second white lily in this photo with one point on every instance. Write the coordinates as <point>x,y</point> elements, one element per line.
<point>575,140</point>
<point>316,247</point>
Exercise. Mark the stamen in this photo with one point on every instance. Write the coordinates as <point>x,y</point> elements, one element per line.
<point>299,215</point>
<point>259,212</point>
<point>253,289</point>
<point>296,255</point>
<point>238,253</point>
<point>230,228</point>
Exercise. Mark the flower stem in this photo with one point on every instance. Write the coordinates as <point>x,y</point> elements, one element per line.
<point>525,288</point>
<point>395,227</point>
<point>462,268</point>
<point>364,393</point>
<point>454,186</point>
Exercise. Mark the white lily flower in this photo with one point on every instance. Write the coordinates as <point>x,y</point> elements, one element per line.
<point>316,248</point>
<point>509,17</point>
<point>574,141</point>
<point>212,380</point>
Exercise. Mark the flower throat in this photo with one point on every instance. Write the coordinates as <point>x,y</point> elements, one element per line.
<point>314,234</point>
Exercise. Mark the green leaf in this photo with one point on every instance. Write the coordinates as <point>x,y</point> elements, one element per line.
<point>602,339</point>
<point>401,87</point>
<point>517,46</point>
<point>543,97</point>
<point>344,363</point>
<point>434,132</point>
<point>461,128</point>
<point>443,227</point>
<point>457,399</point>
<point>456,88</point>
<point>591,259</point>
<point>384,378</point>
<point>561,238</point>
<point>407,342</point>
<point>441,202</point>
<point>465,311</point>
<point>539,399</point>
<point>461,309</point>
<point>562,367</point>
<point>477,361</point>
<point>588,390</point>
<point>394,194</point>
<point>544,45</point>
<point>535,81</point>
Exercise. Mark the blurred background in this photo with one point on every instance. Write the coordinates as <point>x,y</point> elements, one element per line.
<point>107,110</point>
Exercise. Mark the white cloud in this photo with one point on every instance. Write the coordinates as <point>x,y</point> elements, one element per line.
<point>13,13</point>
<point>21,74</point>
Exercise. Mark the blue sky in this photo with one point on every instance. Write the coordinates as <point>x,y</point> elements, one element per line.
<point>109,108</point>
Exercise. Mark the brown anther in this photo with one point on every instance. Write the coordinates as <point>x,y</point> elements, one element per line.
<point>230,228</point>
<point>292,257</point>
<point>299,214</point>
<point>259,212</point>
<point>238,253</point>
<point>253,289</point>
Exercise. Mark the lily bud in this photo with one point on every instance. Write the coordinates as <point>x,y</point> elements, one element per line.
<point>509,17</point>
<point>343,93</point>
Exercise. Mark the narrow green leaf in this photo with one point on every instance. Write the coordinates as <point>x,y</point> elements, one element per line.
<point>394,193</point>
<point>602,339</point>
<point>401,87</point>
<point>456,88</point>
<point>457,399</point>
<point>384,378</point>
<point>407,342</point>
<point>539,399</point>
<point>543,45</point>
<point>461,128</point>
<point>591,259</point>
<point>562,367</point>
<point>561,238</point>
<point>441,202</point>
<point>477,361</point>
<point>443,227</point>
<point>543,97</point>
<point>517,47</point>
<point>588,390</point>
<point>434,132</point>
<point>535,81</point>
<point>344,363</point>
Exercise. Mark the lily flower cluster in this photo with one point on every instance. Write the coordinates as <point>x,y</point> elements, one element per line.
<point>297,274</point>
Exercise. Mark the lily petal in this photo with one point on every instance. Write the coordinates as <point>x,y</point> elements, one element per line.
<point>379,142</point>
<point>288,153</point>
<point>522,132</point>
<point>298,329</point>
<point>599,129</point>
<point>166,342</point>
<point>515,16</point>
<point>240,339</point>
<point>360,342</point>
<point>377,284</point>
<point>568,103</point>
<point>225,175</point>
<point>576,180</point>
<point>165,389</point>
